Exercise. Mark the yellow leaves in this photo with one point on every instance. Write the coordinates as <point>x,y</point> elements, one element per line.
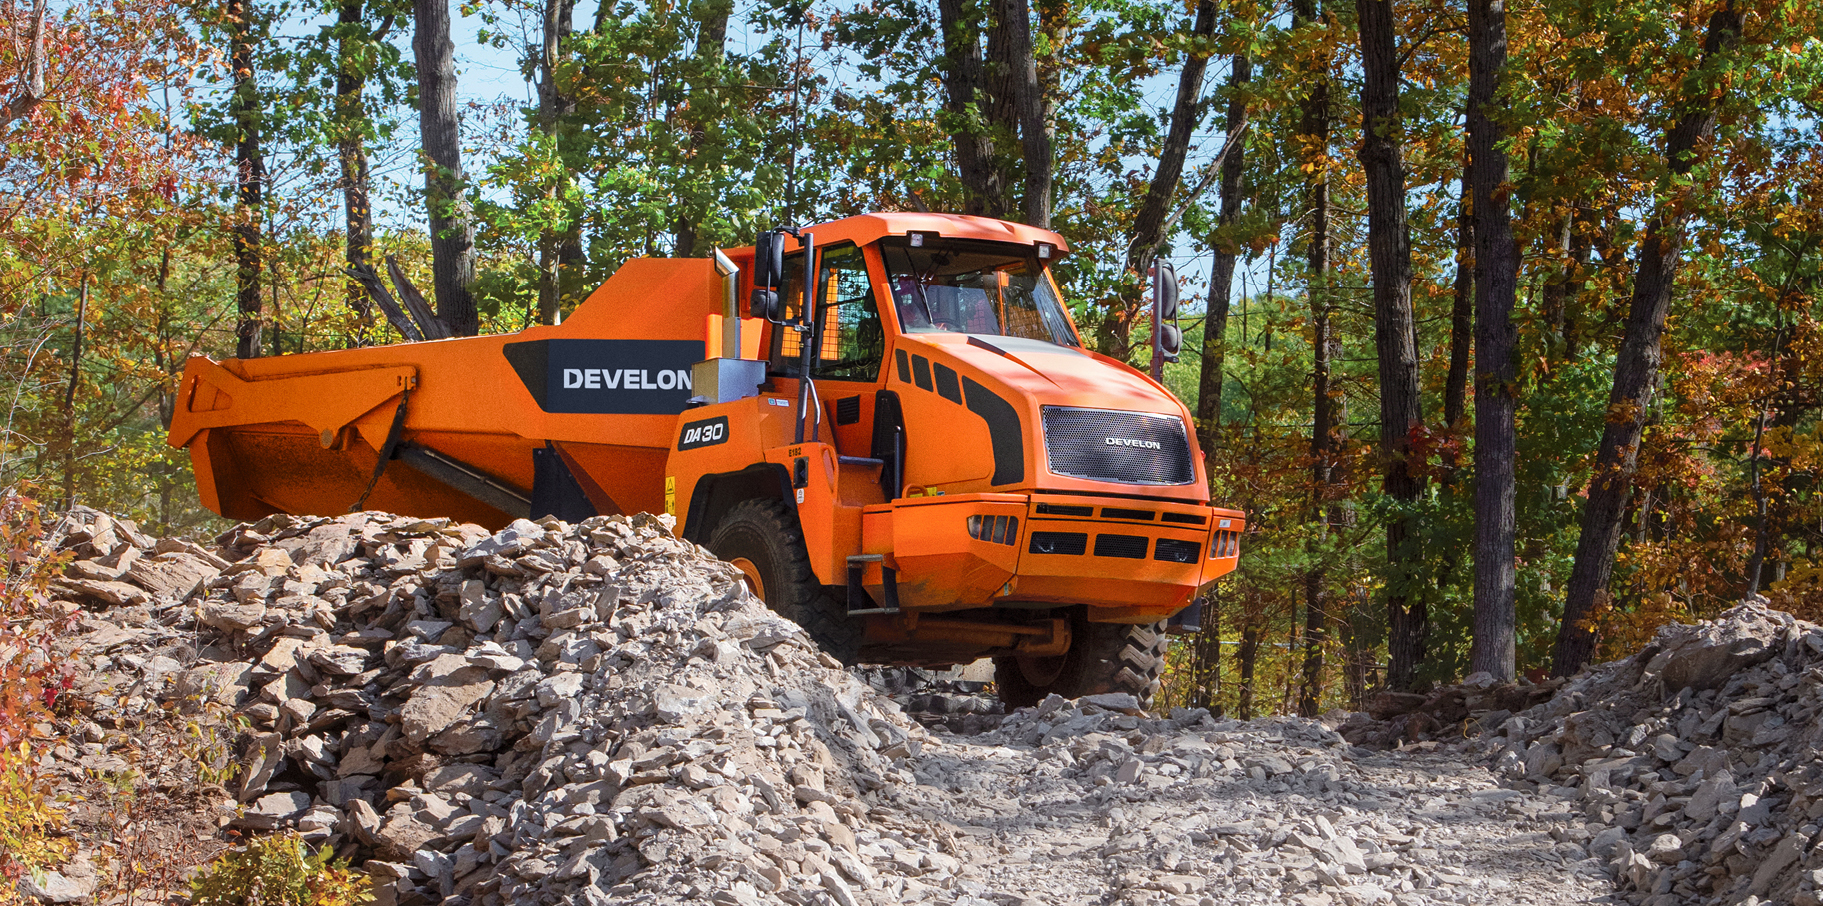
<point>279,871</point>
<point>1624,411</point>
<point>30,825</point>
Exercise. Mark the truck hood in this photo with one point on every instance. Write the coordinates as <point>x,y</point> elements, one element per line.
<point>1052,375</point>
<point>1031,376</point>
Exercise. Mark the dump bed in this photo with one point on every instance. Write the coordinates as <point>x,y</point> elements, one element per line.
<point>303,433</point>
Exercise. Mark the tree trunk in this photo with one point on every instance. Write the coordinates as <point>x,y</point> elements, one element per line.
<point>964,85</point>
<point>1496,274</point>
<point>1462,314</point>
<point>1028,99</point>
<point>1205,659</point>
<point>553,105</point>
<point>1313,140</point>
<point>69,398</point>
<point>249,179</point>
<point>351,147</point>
<point>30,92</point>
<point>1155,207</point>
<point>698,116</point>
<point>1395,339</point>
<point>1791,403</point>
<point>1552,299</point>
<point>1221,278</point>
<point>1636,372</point>
<point>1250,653</point>
<point>452,229</point>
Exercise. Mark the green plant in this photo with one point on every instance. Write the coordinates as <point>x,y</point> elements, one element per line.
<point>208,744</point>
<point>278,871</point>
<point>29,822</point>
<point>31,680</point>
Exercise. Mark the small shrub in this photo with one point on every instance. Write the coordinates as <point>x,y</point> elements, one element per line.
<point>31,680</point>
<point>278,871</point>
<point>32,677</point>
<point>29,823</point>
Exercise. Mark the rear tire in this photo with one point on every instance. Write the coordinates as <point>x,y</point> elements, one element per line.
<point>763,540</point>
<point>1103,657</point>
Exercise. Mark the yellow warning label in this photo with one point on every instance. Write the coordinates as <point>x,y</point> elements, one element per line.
<point>670,495</point>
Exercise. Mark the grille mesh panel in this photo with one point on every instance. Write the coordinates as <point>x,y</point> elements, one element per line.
<point>1115,446</point>
<point>1132,547</point>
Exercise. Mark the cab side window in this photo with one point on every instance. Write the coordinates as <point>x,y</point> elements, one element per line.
<point>852,339</point>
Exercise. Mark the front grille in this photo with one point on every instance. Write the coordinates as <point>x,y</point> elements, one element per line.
<point>1072,543</point>
<point>1109,512</point>
<point>1115,446</point>
<point>1175,551</point>
<point>1061,509</point>
<point>1185,518</point>
<point>1132,547</point>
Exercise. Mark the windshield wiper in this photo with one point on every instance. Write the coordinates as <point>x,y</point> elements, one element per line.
<point>918,287</point>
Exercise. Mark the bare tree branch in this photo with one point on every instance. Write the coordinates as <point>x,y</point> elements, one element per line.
<point>31,77</point>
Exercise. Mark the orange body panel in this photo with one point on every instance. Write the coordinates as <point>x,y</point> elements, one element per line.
<point>253,457</point>
<point>985,500</point>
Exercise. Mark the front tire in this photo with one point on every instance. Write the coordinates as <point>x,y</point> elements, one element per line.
<point>763,540</point>
<point>1103,657</point>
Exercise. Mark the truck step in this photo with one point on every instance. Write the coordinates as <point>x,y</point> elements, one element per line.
<point>859,602</point>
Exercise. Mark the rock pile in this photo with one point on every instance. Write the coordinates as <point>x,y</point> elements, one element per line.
<point>1397,718</point>
<point>600,713</point>
<point>1695,761</point>
<point>547,714</point>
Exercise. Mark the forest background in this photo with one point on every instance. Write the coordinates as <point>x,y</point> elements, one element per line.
<point>1501,324</point>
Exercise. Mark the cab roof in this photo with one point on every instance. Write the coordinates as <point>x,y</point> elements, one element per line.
<point>862,229</point>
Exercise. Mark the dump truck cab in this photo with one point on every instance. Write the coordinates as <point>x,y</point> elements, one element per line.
<point>966,477</point>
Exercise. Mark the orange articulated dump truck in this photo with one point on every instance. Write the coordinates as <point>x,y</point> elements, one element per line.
<point>924,467</point>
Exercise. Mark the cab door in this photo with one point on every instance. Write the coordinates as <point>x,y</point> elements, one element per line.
<point>851,346</point>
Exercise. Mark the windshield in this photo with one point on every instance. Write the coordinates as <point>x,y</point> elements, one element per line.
<point>991,288</point>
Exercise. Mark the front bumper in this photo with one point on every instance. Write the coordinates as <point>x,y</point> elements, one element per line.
<point>1128,561</point>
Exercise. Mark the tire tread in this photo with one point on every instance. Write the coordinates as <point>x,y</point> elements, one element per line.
<point>801,599</point>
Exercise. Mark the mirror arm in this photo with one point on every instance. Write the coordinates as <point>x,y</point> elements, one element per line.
<point>807,333</point>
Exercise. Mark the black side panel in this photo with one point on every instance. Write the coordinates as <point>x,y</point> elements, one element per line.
<point>848,410</point>
<point>532,362</point>
<point>921,372</point>
<point>1002,430</point>
<point>634,377</point>
<point>904,362</point>
<point>946,383</point>
<point>555,492</point>
<point>888,418</point>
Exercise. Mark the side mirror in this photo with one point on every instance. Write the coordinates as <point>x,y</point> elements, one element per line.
<point>1164,290</point>
<point>1169,337</point>
<point>768,265</point>
<point>1170,341</point>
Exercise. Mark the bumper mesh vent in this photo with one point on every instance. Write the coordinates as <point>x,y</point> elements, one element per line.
<point>1120,447</point>
<point>1132,547</point>
<point>1070,543</point>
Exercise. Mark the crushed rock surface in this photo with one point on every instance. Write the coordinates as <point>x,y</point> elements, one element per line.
<point>600,713</point>
<point>1695,761</point>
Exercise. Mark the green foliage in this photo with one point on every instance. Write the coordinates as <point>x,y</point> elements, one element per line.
<point>30,824</point>
<point>31,679</point>
<point>278,870</point>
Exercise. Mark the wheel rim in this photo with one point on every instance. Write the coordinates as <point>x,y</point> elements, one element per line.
<point>750,574</point>
<point>1040,672</point>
